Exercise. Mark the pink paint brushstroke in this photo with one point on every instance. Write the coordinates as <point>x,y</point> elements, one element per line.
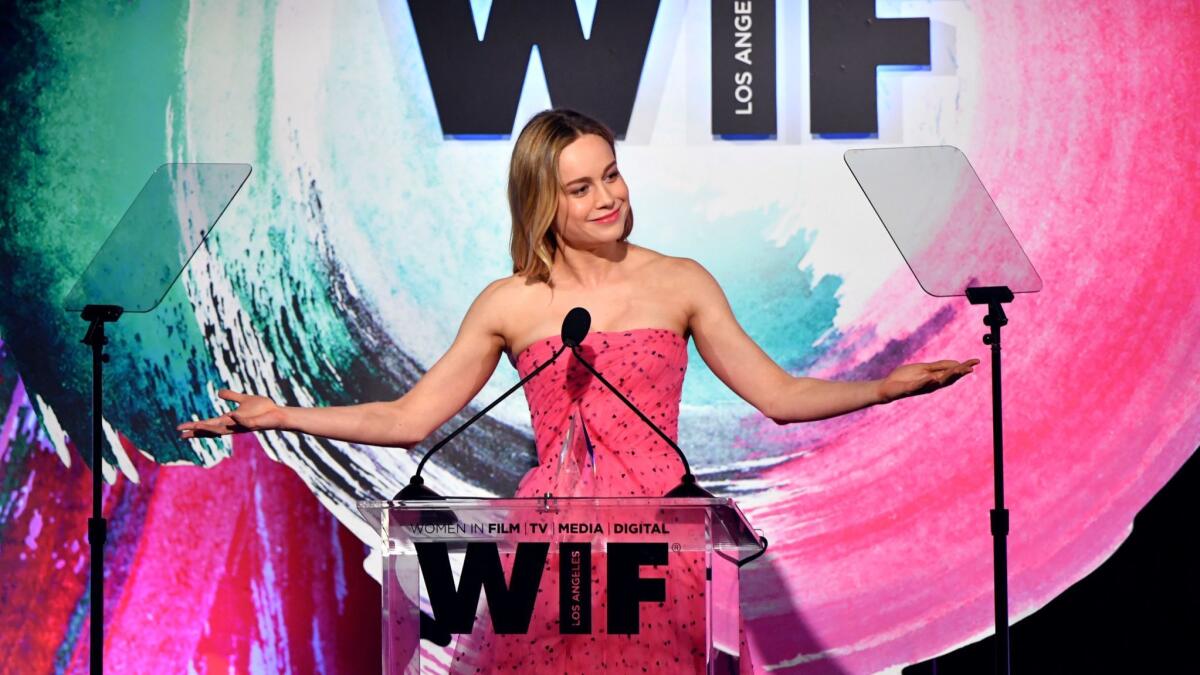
<point>1087,141</point>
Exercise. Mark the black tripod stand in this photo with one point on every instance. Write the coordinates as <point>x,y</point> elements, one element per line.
<point>995,297</point>
<point>142,257</point>
<point>955,241</point>
<point>97,316</point>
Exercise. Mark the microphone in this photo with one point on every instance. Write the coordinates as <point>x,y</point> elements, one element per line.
<point>581,320</point>
<point>574,328</point>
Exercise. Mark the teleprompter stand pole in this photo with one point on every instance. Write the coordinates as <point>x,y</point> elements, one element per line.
<point>995,297</point>
<point>142,257</point>
<point>97,316</point>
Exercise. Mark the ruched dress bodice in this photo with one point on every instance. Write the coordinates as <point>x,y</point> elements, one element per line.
<point>588,442</point>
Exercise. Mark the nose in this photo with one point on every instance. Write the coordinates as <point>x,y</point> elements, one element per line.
<point>604,196</point>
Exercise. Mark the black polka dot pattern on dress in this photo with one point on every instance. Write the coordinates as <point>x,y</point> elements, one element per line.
<point>647,365</point>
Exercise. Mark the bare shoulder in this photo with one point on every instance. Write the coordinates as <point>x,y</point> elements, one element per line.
<point>502,287</point>
<point>681,274</point>
<point>666,267</point>
<point>518,288</point>
<point>487,309</point>
<point>683,279</point>
<point>504,301</point>
<point>500,296</point>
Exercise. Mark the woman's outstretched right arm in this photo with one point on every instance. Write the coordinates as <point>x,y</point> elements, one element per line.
<point>444,390</point>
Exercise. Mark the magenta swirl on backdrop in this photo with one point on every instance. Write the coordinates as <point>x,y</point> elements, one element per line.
<point>236,568</point>
<point>1084,141</point>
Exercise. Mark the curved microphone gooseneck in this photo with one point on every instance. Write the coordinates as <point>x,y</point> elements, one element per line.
<point>572,333</point>
<point>687,486</point>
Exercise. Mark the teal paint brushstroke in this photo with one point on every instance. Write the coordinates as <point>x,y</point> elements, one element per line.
<point>782,305</point>
<point>97,86</point>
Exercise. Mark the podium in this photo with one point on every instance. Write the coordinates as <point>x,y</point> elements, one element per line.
<point>557,582</point>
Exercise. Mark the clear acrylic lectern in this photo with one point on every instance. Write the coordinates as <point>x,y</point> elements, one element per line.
<point>500,583</point>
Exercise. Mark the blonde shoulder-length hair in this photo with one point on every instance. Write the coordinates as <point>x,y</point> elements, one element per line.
<point>534,186</point>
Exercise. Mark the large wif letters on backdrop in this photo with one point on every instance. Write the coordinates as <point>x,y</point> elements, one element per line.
<point>476,82</point>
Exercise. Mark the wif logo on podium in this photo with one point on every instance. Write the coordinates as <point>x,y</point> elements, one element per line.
<point>511,604</point>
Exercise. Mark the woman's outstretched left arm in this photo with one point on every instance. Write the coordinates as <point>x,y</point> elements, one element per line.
<point>746,369</point>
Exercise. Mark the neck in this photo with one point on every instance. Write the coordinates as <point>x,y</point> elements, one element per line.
<point>588,267</point>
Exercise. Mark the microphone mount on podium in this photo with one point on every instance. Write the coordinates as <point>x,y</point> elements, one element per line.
<point>575,328</point>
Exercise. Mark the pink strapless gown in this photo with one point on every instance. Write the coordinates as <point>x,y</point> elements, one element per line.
<point>590,444</point>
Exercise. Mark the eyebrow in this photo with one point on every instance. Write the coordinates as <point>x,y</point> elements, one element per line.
<point>587,178</point>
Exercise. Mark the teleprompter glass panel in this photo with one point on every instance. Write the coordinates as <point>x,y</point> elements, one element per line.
<point>942,219</point>
<point>171,216</point>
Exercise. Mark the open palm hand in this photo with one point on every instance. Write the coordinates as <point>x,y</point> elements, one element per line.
<point>922,378</point>
<point>253,413</point>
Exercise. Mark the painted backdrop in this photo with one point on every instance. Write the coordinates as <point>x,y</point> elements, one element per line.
<point>341,270</point>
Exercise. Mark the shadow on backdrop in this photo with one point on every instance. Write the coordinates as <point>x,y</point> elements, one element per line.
<point>761,582</point>
<point>1136,613</point>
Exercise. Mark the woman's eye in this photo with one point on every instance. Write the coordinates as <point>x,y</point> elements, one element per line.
<point>612,176</point>
<point>578,192</point>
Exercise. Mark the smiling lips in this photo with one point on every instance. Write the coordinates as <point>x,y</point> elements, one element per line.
<point>609,219</point>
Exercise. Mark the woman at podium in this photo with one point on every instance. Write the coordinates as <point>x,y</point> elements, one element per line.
<point>571,222</point>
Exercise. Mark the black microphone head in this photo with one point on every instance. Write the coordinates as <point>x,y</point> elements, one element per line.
<point>575,326</point>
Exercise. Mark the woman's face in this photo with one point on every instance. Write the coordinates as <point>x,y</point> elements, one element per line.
<point>593,200</point>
